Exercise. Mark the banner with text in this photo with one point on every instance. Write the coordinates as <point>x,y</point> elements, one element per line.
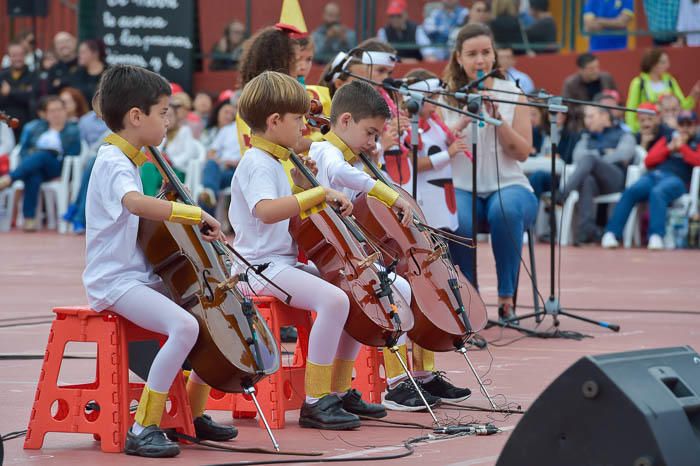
<point>155,34</point>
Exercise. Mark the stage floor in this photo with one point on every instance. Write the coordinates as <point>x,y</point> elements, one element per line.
<point>652,296</point>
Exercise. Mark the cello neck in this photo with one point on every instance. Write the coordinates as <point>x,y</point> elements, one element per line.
<point>374,169</point>
<point>168,173</point>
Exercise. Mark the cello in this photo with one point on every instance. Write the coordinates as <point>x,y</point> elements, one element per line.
<point>446,307</point>
<point>235,348</point>
<point>336,246</point>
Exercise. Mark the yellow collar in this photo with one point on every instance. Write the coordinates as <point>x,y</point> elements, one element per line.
<point>270,147</point>
<point>333,138</point>
<point>137,157</point>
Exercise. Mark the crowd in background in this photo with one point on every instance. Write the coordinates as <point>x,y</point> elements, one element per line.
<point>51,93</point>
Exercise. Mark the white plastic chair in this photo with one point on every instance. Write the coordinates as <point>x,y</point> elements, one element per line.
<point>7,196</point>
<point>60,192</point>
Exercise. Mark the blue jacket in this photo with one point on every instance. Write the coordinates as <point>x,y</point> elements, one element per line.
<point>70,137</point>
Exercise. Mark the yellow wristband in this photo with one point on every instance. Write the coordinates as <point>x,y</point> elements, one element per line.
<point>185,214</point>
<point>384,193</point>
<point>310,198</point>
<point>297,189</point>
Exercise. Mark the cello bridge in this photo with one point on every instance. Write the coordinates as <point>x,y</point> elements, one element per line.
<point>368,261</point>
<point>228,284</point>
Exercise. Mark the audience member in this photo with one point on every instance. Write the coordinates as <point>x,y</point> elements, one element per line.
<point>31,53</point>
<point>585,84</point>
<point>226,53</point>
<point>222,159</point>
<point>543,31</point>
<point>65,46</point>
<point>48,60</point>
<point>653,81</point>
<point>197,118</point>
<point>44,144</point>
<point>651,128</point>
<point>222,114</point>
<point>75,103</point>
<point>611,98</point>
<point>601,157</point>
<point>179,145</point>
<point>92,61</point>
<point>605,15</point>
<point>438,25</point>
<point>17,87</point>
<point>670,108</point>
<point>507,61</point>
<point>507,30</point>
<point>670,163</point>
<point>401,31</point>
<point>479,13</point>
<point>332,36</point>
<point>689,20</point>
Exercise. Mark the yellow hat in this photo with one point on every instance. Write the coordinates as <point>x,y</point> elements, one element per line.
<point>291,15</point>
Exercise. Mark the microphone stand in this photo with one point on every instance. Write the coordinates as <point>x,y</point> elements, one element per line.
<point>413,105</point>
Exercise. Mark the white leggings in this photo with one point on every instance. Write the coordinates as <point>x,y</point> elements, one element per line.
<point>327,340</point>
<point>152,310</point>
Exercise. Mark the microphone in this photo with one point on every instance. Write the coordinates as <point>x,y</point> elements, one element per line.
<point>338,66</point>
<point>393,84</point>
<point>481,78</point>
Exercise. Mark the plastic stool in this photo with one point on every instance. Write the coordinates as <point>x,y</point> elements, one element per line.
<point>284,390</point>
<point>111,390</point>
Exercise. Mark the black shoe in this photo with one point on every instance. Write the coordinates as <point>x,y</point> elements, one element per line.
<point>207,429</point>
<point>440,387</point>
<point>404,397</point>
<point>506,314</point>
<point>353,403</point>
<point>327,413</point>
<point>547,200</point>
<point>151,443</point>
<point>288,334</point>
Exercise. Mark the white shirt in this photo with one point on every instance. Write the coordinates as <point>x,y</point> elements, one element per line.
<point>334,172</point>
<point>489,177</point>
<point>181,149</point>
<point>260,176</point>
<point>114,261</point>
<point>689,20</point>
<point>50,140</point>
<point>225,143</point>
<point>435,190</point>
<point>7,139</point>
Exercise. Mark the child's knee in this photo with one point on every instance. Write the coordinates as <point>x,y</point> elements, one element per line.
<point>187,329</point>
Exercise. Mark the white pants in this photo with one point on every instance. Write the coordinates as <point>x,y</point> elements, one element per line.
<point>327,340</point>
<point>152,310</point>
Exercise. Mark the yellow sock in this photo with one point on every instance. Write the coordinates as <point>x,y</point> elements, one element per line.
<point>342,375</point>
<point>392,365</point>
<point>423,359</point>
<point>317,379</point>
<point>198,395</point>
<point>151,407</point>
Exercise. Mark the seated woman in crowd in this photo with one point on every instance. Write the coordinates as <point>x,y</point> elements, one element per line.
<point>76,105</point>
<point>670,162</point>
<point>601,157</point>
<point>223,154</point>
<point>179,145</point>
<point>44,144</point>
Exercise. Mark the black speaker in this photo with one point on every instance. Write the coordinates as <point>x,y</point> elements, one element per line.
<point>28,7</point>
<point>639,408</point>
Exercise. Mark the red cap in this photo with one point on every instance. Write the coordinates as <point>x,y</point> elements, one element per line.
<point>291,30</point>
<point>176,88</point>
<point>225,95</point>
<point>396,7</point>
<point>649,106</point>
<point>612,93</point>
